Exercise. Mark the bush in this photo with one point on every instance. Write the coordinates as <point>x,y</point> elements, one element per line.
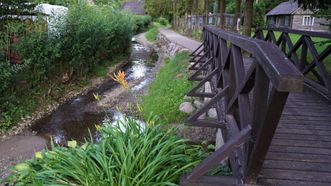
<point>92,34</point>
<point>87,36</point>
<point>141,23</point>
<point>166,93</point>
<point>162,21</point>
<point>126,154</point>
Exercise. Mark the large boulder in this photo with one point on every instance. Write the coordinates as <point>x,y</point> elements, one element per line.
<point>186,107</point>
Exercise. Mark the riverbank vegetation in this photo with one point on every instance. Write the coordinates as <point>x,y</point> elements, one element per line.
<point>127,153</point>
<point>39,63</point>
<point>153,31</point>
<point>167,92</point>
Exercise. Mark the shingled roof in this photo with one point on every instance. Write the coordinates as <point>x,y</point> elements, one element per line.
<point>284,8</point>
<point>135,7</point>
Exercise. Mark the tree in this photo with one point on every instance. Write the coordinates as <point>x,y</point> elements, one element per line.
<point>248,17</point>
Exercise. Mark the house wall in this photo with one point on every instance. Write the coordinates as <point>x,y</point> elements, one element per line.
<point>279,21</point>
<point>297,21</point>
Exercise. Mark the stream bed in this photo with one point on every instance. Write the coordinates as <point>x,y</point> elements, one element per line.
<point>76,119</point>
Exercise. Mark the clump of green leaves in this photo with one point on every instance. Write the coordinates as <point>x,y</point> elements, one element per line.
<point>126,154</point>
<point>141,23</point>
<point>167,91</point>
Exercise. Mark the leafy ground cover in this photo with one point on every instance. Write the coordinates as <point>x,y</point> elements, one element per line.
<point>166,93</point>
<point>126,154</point>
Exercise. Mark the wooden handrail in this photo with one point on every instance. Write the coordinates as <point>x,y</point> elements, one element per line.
<point>285,77</point>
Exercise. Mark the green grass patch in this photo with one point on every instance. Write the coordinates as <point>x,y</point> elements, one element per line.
<point>153,31</point>
<point>167,91</point>
<point>126,154</point>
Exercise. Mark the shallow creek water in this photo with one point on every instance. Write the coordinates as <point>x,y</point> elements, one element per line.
<point>76,120</point>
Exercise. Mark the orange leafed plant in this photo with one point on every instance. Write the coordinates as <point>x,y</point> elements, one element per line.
<point>120,78</point>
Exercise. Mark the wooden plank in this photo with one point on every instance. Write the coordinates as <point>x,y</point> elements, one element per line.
<point>264,181</point>
<point>324,177</point>
<point>304,122</point>
<point>286,126</point>
<point>302,150</point>
<point>301,143</point>
<point>210,181</point>
<point>298,157</point>
<point>305,118</point>
<point>302,137</point>
<point>294,165</point>
<point>304,131</point>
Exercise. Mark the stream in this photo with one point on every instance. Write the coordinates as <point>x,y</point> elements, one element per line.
<point>76,119</point>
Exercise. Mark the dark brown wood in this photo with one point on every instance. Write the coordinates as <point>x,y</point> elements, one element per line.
<point>266,132</point>
<point>210,181</point>
<point>234,78</point>
<point>220,154</point>
<point>321,81</point>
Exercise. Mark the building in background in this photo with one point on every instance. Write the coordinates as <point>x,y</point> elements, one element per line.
<point>291,15</point>
<point>135,7</point>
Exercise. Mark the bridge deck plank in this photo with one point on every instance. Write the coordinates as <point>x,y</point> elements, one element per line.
<point>300,152</point>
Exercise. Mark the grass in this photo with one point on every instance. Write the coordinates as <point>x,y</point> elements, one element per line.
<point>126,154</point>
<point>152,32</point>
<point>167,91</point>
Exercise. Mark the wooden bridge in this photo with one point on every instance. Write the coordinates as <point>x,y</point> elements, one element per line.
<point>272,104</point>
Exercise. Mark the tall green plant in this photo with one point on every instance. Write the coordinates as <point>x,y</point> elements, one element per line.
<point>126,154</point>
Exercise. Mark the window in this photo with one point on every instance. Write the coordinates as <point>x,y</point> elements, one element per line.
<point>308,20</point>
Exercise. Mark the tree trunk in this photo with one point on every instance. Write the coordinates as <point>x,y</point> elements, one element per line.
<point>221,11</point>
<point>196,12</point>
<point>207,11</point>
<point>174,14</point>
<point>248,17</point>
<point>237,15</point>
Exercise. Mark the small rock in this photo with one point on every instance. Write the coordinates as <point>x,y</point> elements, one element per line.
<point>197,104</point>
<point>212,113</point>
<point>203,116</point>
<point>208,90</point>
<point>190,65</point>
<point>187,98</point>
<point>186,107</point>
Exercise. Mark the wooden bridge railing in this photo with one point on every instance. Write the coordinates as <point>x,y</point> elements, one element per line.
<point>250,80</point>
<point>307,55</point>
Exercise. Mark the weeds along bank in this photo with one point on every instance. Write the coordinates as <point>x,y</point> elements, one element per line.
<point>37,64</point>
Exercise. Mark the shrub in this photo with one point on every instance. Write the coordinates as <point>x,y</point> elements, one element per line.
<point>162,21</point>
<point>166,93</point>
<point>141,23</point>
<point>84,38</point>
<point>94,33</point>
<point>126,154</point>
